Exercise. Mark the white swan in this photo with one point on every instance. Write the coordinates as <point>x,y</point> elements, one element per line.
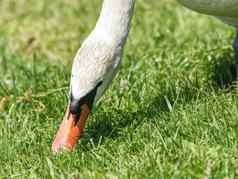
<point>98,60</point>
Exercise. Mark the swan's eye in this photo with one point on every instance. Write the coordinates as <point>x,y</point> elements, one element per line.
<point>75,104</point>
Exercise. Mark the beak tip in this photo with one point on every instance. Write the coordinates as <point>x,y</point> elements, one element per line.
<point>60,147</point>
<point>66,138</point>
<point>69,132</point>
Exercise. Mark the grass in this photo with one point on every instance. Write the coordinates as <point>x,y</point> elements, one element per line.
<point>170,113</point>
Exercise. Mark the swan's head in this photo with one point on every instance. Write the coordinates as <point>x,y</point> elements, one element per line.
<point>74,120</point>
<point>94,67</point>
<point>92,73</point>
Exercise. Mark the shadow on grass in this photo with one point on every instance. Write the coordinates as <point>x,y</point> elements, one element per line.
<point>111,124</point>
<point>223,70</point>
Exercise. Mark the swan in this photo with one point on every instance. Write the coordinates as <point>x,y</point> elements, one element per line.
<point>98,60</point>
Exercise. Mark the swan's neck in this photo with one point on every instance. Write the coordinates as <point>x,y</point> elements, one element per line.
<point>114,20</point>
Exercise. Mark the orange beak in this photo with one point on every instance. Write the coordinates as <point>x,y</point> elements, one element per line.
<point>70,130</point>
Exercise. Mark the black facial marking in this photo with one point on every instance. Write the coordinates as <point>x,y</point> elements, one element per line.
<point>75,105</point>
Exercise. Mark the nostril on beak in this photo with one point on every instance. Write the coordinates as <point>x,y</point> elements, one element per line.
<point>75,111</point>
<point>75,106</point>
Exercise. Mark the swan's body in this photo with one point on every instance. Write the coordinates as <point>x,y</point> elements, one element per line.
<point>98,60</point>
<point>227,10</point>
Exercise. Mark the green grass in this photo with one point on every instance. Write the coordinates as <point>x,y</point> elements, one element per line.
<point>172,112</point>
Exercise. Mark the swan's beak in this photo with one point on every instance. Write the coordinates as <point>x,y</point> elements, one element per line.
<point>70,130</point>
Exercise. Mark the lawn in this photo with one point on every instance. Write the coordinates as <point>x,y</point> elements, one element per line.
<point>171,112</point>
